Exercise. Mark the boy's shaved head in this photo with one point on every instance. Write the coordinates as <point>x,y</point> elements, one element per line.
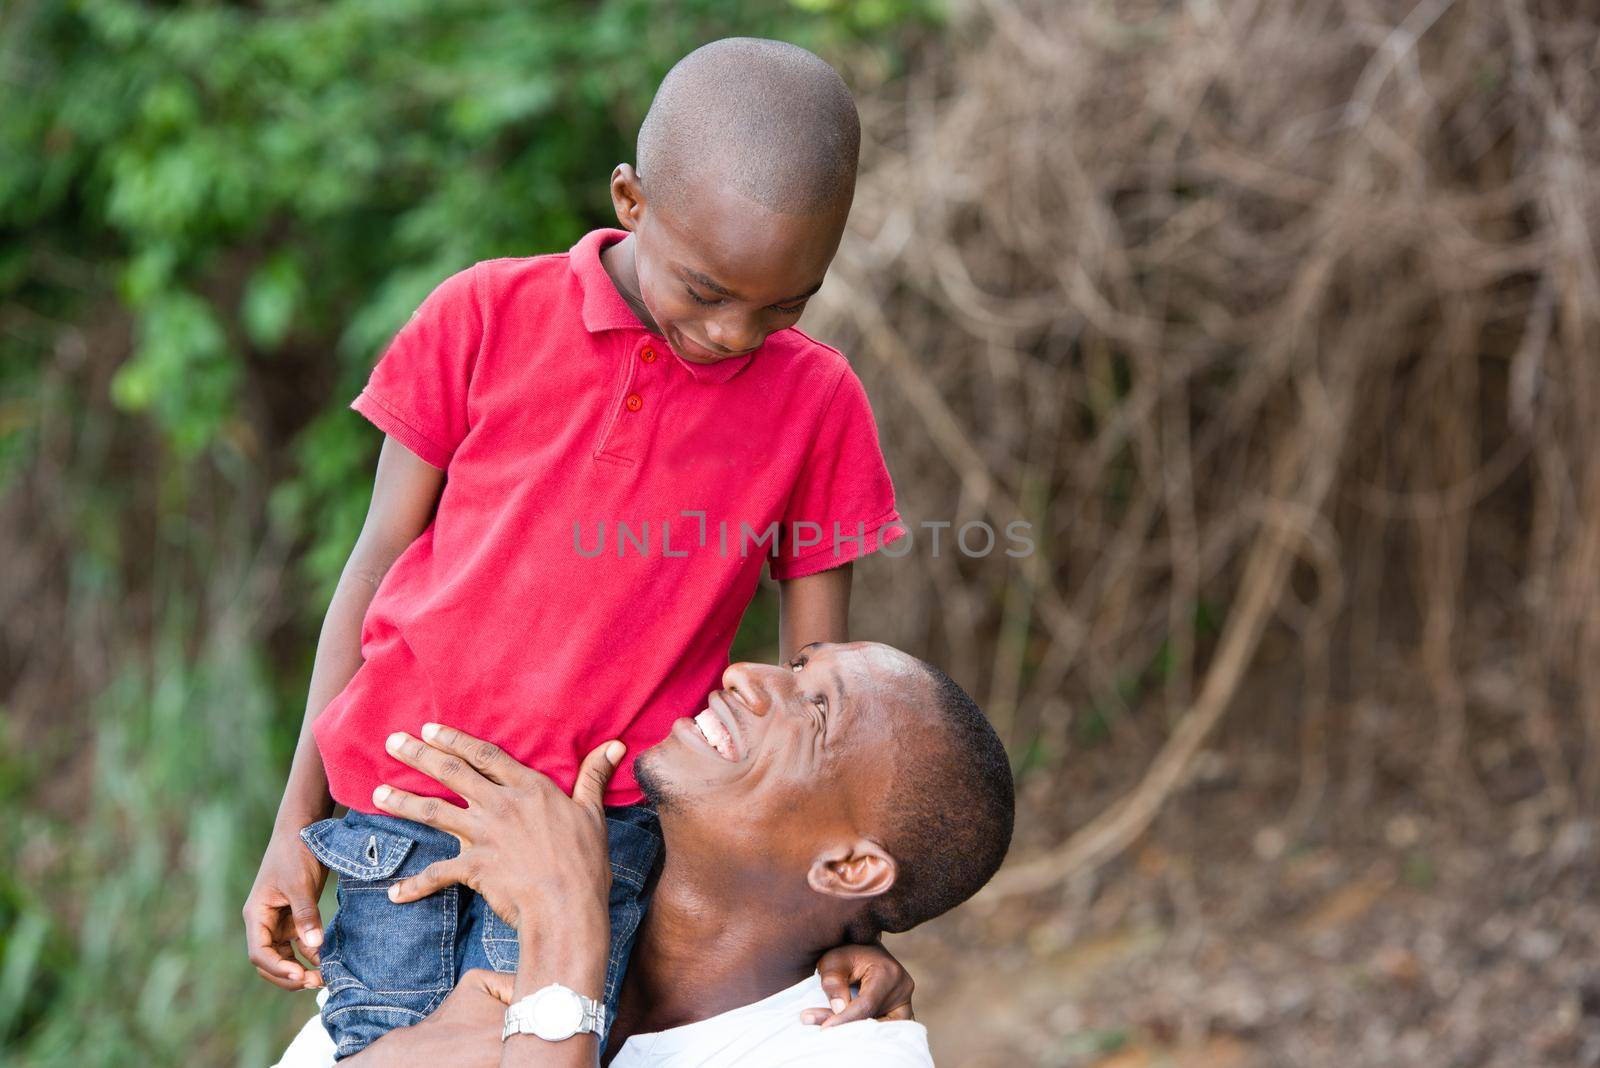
<point>769,119</point>
<point>738,198</point>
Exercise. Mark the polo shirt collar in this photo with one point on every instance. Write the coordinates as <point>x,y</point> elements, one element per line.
<point>604,308</point>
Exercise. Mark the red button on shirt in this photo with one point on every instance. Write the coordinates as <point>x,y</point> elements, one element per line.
<point>634,402</point>
<point>648,355</point>
<point>501,618</point>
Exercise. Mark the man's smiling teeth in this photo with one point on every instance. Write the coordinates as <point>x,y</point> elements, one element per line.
<point>715,734</point>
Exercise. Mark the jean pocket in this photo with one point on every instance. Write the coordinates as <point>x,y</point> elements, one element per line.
<point>500,943</point>
<point>633,845</point>
<point>380,959</point>
<point>358,850</point>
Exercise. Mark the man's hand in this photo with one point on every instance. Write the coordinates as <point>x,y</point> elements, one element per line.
<point>463,1033</point>
<point>885,986</point>
<point>522,839</point>
<point>280,915</point>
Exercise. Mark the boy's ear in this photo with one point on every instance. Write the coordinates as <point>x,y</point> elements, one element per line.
<point>858,869</point>
<point>627,196</point>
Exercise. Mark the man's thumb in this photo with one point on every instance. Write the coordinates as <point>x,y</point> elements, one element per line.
<point>596,772</point>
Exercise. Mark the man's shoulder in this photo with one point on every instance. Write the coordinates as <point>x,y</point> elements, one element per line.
<point>769,1033</point>
<point>893,1044</point>
<point>864,1044</point>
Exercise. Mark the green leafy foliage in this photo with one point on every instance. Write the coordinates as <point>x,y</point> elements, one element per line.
<point>212,218</point>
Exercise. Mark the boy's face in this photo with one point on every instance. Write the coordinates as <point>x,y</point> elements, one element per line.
<point>720,272</point>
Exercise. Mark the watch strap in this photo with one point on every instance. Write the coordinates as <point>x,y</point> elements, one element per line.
<point>519,1018</point>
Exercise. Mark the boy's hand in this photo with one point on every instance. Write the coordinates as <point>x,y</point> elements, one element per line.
<point>885,986</point>
<point>281,914</point>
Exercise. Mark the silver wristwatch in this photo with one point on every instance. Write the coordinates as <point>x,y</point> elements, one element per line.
<point>555,1013</point>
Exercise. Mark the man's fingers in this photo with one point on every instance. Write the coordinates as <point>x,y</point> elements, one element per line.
<point>486,758</point>
<point>596,772</point>
<point>430,880</point>
<point>434,811</point>
<point>450,768</point>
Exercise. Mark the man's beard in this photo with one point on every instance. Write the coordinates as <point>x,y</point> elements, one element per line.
<point>655,789</point>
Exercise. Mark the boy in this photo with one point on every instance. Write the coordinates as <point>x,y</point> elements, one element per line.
<point>585,458</point>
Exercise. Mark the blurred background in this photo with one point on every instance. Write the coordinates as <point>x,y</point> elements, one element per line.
<point>1277,320</point>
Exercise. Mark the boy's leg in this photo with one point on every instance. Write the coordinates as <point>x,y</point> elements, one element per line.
<point>384,965</point>
<point>634,837</point>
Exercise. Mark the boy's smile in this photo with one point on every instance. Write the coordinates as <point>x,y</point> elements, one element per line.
<point>715,273</point>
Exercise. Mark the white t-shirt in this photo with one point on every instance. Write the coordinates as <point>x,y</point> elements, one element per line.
<point>768,1032</point>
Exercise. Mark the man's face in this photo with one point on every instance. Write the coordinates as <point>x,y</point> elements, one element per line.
<point>784,760</point>
<point>719,273</point>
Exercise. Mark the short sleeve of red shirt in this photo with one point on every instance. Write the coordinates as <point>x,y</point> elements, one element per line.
<point>842,506</point>
<point>418,391</point>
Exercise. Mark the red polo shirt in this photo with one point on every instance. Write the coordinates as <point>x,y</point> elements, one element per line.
<point>561,596</point>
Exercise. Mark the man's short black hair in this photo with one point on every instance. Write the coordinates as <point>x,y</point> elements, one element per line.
<point>951,811</point>
<point>768,118</point>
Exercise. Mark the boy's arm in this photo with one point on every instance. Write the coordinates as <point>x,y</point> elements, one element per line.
<point>404,495</point>
<point>813,608</point>
<point>282,906</point>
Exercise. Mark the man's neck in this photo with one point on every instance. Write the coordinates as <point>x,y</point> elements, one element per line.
<point>700,953</point>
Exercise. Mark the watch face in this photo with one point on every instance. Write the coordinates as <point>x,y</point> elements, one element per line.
<point>557,1013</point>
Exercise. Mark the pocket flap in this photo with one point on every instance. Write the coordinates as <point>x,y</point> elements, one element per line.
<point>359,851</point>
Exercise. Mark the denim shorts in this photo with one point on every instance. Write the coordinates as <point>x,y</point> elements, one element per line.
<point>387,965</point>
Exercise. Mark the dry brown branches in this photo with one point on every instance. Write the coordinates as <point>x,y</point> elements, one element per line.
<point>1215,295</point>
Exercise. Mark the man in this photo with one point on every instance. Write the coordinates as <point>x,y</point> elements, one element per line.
<point>852,791</point>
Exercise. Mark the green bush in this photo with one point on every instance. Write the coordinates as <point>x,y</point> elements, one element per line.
<point>212,217</point>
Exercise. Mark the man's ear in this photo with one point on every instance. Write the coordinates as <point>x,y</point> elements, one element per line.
<point>862,868</point>
<point>627,196</point>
